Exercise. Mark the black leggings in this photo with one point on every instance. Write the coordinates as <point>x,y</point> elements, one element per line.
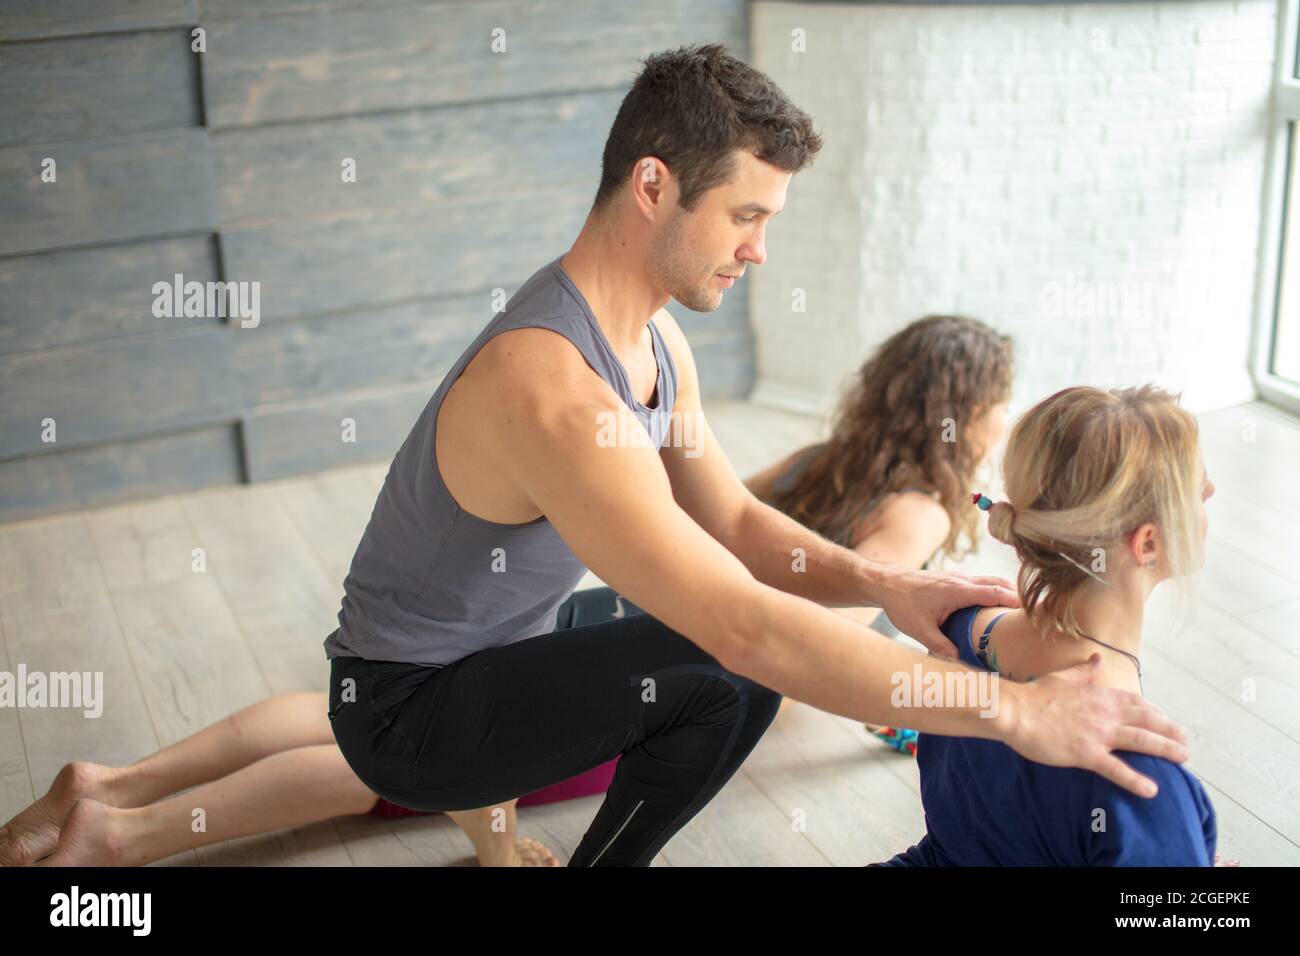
<point>511,720</point>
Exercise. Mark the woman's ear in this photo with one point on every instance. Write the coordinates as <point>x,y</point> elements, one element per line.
<point>1144,545</point>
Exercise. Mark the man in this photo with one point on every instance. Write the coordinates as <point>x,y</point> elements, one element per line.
<point>554,444</point>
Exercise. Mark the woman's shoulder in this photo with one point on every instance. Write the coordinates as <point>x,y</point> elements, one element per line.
<point>1175,781</point>
<point>984,616</point>
<point>911,511</point>
<point>1176,827</point>
<point>1179,792</point>
<point>958,627</point>
<point>913,503</point>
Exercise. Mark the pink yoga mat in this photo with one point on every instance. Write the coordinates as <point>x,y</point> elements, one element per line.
<point>595,780</point>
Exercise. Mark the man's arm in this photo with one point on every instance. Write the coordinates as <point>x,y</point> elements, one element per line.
<point>906,530</point>
<point>613,505</point>
<point>784,554</point>
<point>775,549</point>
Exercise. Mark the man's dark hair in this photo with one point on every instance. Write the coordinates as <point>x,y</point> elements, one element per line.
<point>692,107</point>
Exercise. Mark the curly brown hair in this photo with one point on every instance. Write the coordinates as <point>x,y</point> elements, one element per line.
<point>892,426</point>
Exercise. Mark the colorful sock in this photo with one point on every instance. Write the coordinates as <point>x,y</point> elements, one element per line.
<point>902,740</point>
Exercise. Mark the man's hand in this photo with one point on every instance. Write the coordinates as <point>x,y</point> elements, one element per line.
<point>918,602</point>
<point>1064,719</point>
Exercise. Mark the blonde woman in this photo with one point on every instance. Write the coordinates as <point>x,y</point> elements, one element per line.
<point>893,480</point>
<point>1106,496</point>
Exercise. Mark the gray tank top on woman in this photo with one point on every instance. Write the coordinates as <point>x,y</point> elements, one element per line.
<point>431,583</point>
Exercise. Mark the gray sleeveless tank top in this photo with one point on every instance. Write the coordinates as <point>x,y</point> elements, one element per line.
<point>431,583</point>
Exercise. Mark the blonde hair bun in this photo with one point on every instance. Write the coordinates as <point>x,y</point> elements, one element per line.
<point>1001,517</point>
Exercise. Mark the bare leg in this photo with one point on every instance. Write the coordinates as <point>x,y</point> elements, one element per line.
<point>270,726</point>
<point>276,764</point>
<point>292,788</point>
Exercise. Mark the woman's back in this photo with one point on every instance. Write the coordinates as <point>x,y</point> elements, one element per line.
<point>985,805</point>
<point>782,476</point>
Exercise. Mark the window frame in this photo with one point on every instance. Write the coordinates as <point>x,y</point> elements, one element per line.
<point>1284,110</point>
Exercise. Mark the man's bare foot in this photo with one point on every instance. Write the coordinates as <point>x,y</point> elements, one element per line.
<point>92,835</point>
<point>492,830</point>
<point>34,832</point>
<point>527,852</point>
<point>508,849</point>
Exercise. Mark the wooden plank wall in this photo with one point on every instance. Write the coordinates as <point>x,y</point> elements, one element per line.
<point>473,168</point>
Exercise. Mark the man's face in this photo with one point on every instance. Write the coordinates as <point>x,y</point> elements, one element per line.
<point>691,252</point>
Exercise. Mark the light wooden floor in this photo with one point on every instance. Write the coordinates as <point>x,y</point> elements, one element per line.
<point>112,590</point>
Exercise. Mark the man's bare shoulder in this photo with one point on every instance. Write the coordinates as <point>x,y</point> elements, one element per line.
<point>532,359</point>
<point>535,368</point>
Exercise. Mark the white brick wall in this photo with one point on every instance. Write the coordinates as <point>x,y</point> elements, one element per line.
<point>1085,177</point>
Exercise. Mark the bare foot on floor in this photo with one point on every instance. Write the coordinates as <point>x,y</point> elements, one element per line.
<point>91,836</point>
<point>492,830</point>
<point>34,832</point>
<point>527,852</point>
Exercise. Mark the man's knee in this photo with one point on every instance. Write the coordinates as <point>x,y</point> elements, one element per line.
<point>761,702</point>
<point>746,701</point>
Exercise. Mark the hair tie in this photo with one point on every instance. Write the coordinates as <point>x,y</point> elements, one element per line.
<point>984,503</point>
